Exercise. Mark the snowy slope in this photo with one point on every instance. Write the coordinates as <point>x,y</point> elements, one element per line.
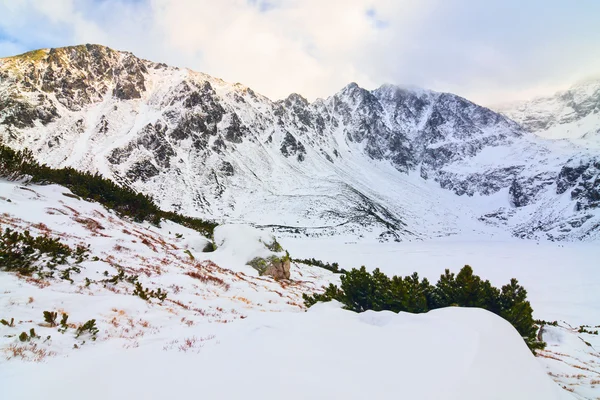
<point>199,290</point>
<point>325,353</point>
<point>226,325</point>
<point>390,164</point>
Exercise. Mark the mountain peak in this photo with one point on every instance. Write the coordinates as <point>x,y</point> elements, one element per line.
<point>207,147</point>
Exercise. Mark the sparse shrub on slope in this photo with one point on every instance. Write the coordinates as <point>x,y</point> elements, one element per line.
<point>333,267</point>
<point>124,200</point>
<point>26,254</point>
<point>361,291</point>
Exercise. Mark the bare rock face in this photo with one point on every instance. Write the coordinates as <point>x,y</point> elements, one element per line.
<point>274,266</point>
<point>279,269</point>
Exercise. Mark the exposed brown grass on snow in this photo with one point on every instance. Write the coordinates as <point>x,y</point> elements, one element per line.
<point>27,352</point>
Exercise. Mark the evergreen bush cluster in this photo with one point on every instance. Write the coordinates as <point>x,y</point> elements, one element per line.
<point>118,277</point>
<point>333,267</point>
<point>590,331</point>
<point>361,291</point>
<point>124,200</point>
<point>89,327</point>
<point>26,254</point>
<point>147,294</point>
<point>274,246</point>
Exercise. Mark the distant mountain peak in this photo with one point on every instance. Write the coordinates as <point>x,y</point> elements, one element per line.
<point>569,114</point>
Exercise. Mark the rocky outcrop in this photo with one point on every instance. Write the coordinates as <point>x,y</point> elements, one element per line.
<point>291,146</point>
<point>278,269</point>
<point>273,266</point>
<point>523,190</point>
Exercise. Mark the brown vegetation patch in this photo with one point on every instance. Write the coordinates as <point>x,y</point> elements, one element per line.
<point>204,278</point>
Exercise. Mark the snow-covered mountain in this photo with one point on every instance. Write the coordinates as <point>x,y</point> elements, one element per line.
<point>392,163</point>
<point>570,114</point>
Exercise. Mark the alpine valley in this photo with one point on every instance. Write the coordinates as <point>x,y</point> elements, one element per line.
<point>406,182</point>
<point>395,163</point>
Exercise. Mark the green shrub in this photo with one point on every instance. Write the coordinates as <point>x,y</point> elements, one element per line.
<point>147,294</point>
<point>124,200</point>
<point>90,327</point>
<point>50,317</point>
<point>333,267</point>
<point>6,323</point>
<point>274,246</point>
<point>63,323</point>
<point>360,291</point>
<point>119,277</point>
<point>26,254</point>
<point>189,253</point>
<point>582,329</point>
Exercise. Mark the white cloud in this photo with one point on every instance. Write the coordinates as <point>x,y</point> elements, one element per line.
<point>487,51</point>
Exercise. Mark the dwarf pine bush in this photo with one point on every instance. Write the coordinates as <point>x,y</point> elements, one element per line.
<point>124,200</point>
<point>333,267</point>
<point>63,323</point>
<point>147,294</point>
<point>50,317</point>
<point>361,290</point>
<point>89,327</point>
<point>27,254</point>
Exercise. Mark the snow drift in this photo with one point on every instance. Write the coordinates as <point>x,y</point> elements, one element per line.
<point>327,353</point>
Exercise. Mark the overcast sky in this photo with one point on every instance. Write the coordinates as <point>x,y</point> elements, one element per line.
<point>490,51</point>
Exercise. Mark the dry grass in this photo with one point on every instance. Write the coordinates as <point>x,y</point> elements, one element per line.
<point>179,303</point>
<point>34,281</point>
<point>91,225</point>
<point>194,343</point>
<point>7,219</point>
<point>175,288</point>
<point>188,322</point>
<point>27,352</point>
<point>55,211</point>
<point>242,299</point>
<point>29,190</point>
<point>149,244</point>
<point>74,211</point>
<point>42,228</point>
<point>208,279</point>
<point>119,248</point>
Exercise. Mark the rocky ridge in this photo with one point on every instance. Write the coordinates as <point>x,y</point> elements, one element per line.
<point>392,163</point>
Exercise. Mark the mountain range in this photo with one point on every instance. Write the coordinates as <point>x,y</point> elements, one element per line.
<point>394,163</point>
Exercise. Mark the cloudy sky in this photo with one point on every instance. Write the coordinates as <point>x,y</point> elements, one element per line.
<point>490,51</point>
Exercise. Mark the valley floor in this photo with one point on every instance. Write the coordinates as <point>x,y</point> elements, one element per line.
<point>562,280</point>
